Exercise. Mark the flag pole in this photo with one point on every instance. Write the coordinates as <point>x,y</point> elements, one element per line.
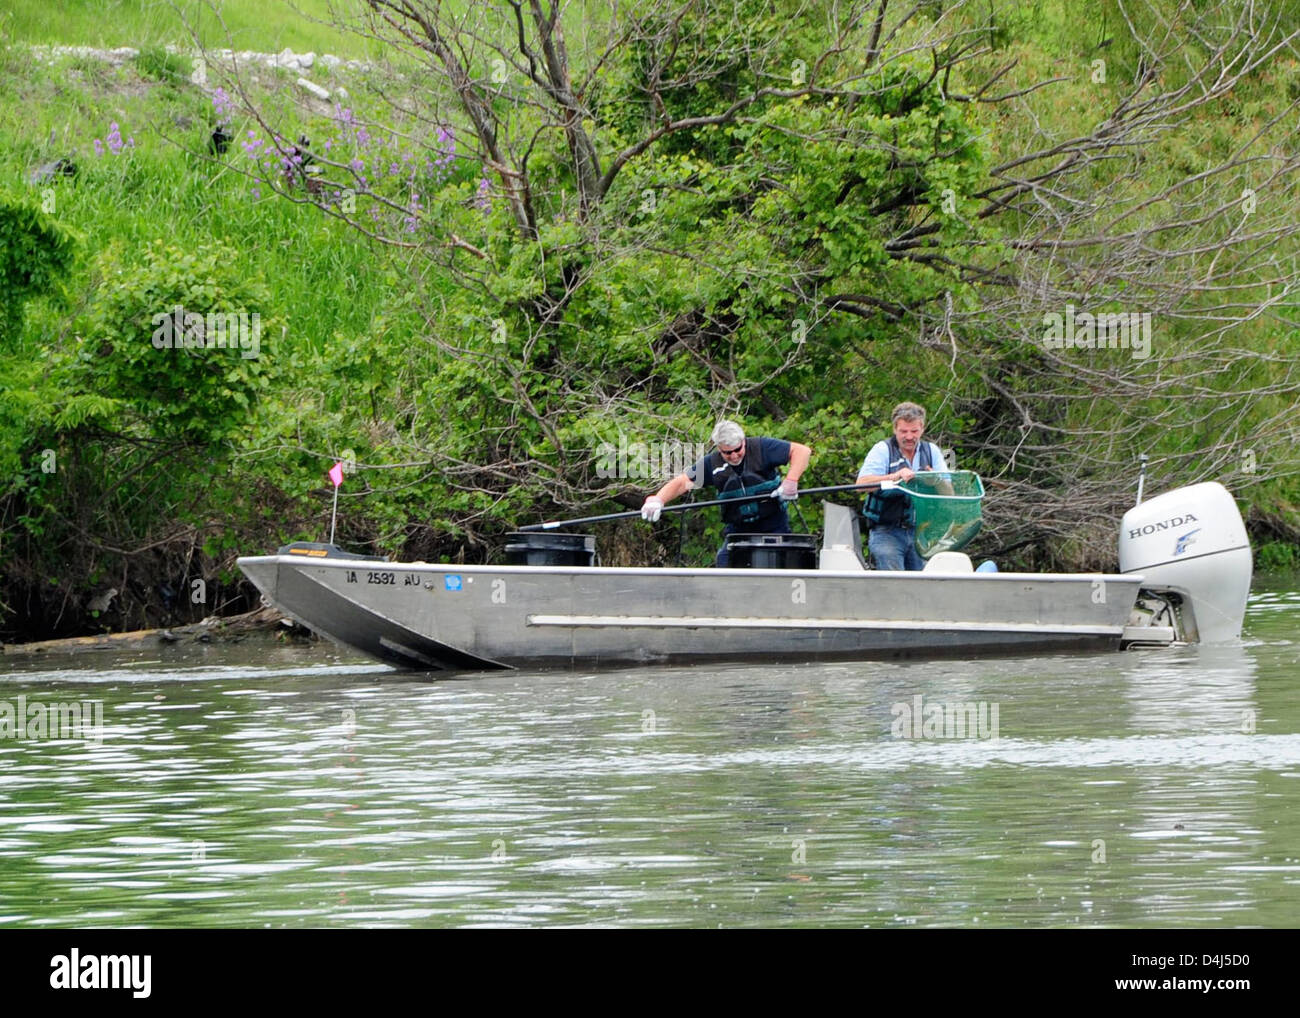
<point>336,475</point>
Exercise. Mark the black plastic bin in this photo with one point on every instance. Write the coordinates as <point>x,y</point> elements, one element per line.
<point>772,551</point>
<point>537,549</point>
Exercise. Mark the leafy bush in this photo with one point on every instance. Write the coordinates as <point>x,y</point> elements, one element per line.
<point>179,339</point>
<point>35,254</point>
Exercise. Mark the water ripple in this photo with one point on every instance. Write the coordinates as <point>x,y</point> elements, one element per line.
<point>294,788</point>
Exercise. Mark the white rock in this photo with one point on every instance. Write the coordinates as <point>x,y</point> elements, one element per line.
<point>313,88</point>
<point>306,60</point>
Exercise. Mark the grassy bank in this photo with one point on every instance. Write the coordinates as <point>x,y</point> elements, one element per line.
<point>139,176</point>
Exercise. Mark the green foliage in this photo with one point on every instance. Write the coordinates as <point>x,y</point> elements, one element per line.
<point>35,254</point>
<point>25,411</point>
<point>1277,557</point>
<point>79,410</point>
<point>178,339</point>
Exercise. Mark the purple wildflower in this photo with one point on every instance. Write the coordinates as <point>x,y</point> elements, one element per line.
<point>446,144</point>
<point>99,147</point>
<point>445,152</point>
<point>222,106</point>
<point>413,220</point>
<point>114,138</point>
<point>483,197</point>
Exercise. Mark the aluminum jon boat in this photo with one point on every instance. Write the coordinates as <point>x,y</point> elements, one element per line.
<point>1185,570</point>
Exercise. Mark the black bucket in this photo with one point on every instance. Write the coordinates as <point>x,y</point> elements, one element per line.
<point>772,551</point>
<point>532,548</point>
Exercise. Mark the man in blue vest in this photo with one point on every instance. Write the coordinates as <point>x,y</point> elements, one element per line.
<point>746,470</point>
<point>889,513</point>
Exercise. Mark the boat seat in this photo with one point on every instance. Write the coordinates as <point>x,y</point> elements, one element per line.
<point>841,540</point>
<point>950,562</point>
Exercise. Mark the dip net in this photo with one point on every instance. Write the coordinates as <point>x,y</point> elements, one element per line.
<point>947,506</point>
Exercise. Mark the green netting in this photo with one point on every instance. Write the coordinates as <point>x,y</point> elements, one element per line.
<point>947,504</point>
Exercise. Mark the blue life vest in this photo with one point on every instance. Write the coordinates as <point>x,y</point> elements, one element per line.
<point>755,477</point>
<point>883,510</point>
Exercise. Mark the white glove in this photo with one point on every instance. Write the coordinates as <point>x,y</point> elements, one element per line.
<point>787,490</point>
<point>652,508</point>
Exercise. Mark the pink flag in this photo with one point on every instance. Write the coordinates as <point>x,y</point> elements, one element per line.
<point>336,474</point>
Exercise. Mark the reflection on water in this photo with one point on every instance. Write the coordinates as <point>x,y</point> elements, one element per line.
<point>264,785</point>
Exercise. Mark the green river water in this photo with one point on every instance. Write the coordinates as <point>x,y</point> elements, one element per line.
<point>261,785</point>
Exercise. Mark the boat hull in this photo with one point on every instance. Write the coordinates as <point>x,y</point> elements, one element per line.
<point>469,618</point>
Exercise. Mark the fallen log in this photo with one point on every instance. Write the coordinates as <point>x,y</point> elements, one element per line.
<point>213,628</point>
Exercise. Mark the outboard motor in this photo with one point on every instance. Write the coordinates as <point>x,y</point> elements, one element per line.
<point>1192,542</point>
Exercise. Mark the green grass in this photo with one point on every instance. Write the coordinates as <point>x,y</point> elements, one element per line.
<point>261,25</point>
<point>325,276</point>
<point>328,279</point>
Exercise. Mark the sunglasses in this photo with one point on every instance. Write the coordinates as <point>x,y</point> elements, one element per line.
<point>730,452</point>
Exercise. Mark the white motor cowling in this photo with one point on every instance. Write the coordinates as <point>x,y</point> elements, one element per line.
<point>1192,541</point>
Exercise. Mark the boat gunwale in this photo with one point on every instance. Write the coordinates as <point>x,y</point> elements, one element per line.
<point>874,574</point>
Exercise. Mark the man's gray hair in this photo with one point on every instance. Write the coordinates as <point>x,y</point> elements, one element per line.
<point>728,433</point>
<point>908,412</point>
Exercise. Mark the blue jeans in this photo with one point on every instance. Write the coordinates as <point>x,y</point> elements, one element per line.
<point>778,524</point>
<point>892,548</point>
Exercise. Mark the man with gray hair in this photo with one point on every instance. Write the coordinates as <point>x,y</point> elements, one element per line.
<point>889,513</point>
<point>746,470</point>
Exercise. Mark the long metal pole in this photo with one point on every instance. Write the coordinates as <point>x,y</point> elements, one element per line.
<point>685,507</point>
